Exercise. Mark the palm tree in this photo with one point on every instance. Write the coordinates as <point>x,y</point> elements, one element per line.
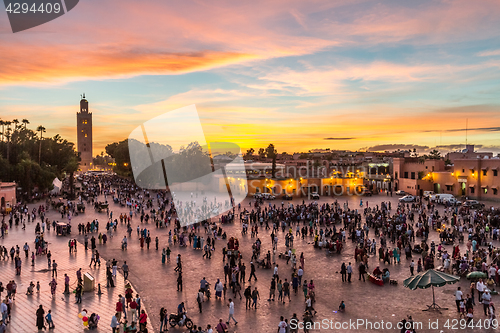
<point>8,135</point>
<point>2,123</point>
<point>40,129</point>
<point>25,122</point>
<point>71,168</point>
<point>272,153</point>
<point>57,138</point>
<point>15,121</point>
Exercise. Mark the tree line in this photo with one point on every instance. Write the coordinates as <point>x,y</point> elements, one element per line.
<point>32,160</point>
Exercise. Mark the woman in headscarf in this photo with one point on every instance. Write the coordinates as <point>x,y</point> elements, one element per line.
<point>40,318</point>
<point>163,255</point>
<point>53,285</point>
<point>395,254</point>
<point>218,289</point>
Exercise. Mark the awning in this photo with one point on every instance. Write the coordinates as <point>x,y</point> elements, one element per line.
<point>484,168</point>
<point>484,186</point>
<point>495,168</point>
<point>472,185</point>
<point>494,187</point>
<point>449,184</point>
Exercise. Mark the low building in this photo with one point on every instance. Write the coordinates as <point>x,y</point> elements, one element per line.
<point>475,178</point>
<point>467,153</point>
<point>414,175</point>
<point>300,187</point>
<point>7,197</point>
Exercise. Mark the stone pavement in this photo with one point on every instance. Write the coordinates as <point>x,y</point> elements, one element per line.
<point>156,283</point>
<point>64,310</point>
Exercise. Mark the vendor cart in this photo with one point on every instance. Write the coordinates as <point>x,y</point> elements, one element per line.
<point>63,229</point>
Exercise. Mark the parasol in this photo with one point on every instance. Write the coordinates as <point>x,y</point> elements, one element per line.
<point>430,278</point>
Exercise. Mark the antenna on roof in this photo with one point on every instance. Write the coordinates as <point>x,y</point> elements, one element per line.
<point>466,127</point>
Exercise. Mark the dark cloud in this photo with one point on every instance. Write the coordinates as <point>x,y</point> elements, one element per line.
<point>339,139</point>
<point>488,147</point>
<point>470,109</point>
<point>392,147</point>
<point>483,129</point>
<point>454,147</point>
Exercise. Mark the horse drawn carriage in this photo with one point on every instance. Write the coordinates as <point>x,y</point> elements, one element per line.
<point>63,229</point>
<point>80,207</point>
<point>57,205</point>
<point>100,206</point>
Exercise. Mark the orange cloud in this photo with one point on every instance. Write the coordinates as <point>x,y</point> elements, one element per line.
<point>61,63</point>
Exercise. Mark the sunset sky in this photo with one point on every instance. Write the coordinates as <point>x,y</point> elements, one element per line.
<point>299,74</point>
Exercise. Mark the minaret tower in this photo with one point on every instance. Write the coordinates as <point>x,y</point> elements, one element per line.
<point>84,135</point>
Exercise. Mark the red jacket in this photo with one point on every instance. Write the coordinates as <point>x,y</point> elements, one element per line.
<point>119,306</point>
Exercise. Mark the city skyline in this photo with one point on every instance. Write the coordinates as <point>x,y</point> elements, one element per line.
<point>331,75</point>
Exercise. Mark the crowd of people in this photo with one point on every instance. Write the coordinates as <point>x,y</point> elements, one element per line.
<point>380,232</point>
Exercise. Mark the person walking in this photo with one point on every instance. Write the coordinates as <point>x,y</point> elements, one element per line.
<point>143,321</point>
<point>221,327</point>
<point>78,294</point>
<point>286,290</point>
<point>252,272</point>
<point>255,295</point>
<point>248,296</point>
<point>349,272</point>
<point>40,318</point>
<point>272,290</point>
<point>53,285</point>
<point>231,311</point>
<point>4,309</point>
<point>305,289</point>
<point>66,284</point>
<point>115,325</point>
<point>362,271</point>
<point>163,320</point>
<point>179,282</point>
<point>133,309</point>
<point>114,264</point>
<point>109,275</point>
<point>163,255</point>
<point>125,270</point>
<point>486,298</point>
<point>458,298</point>
<point>178,268</point>
<point>54,268</point>
<point>49,320</point>
<point>492,313</point>
<point>480,286</point>
<point>343,272</point>
<point>199,299</point>
<point>92,259</point>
